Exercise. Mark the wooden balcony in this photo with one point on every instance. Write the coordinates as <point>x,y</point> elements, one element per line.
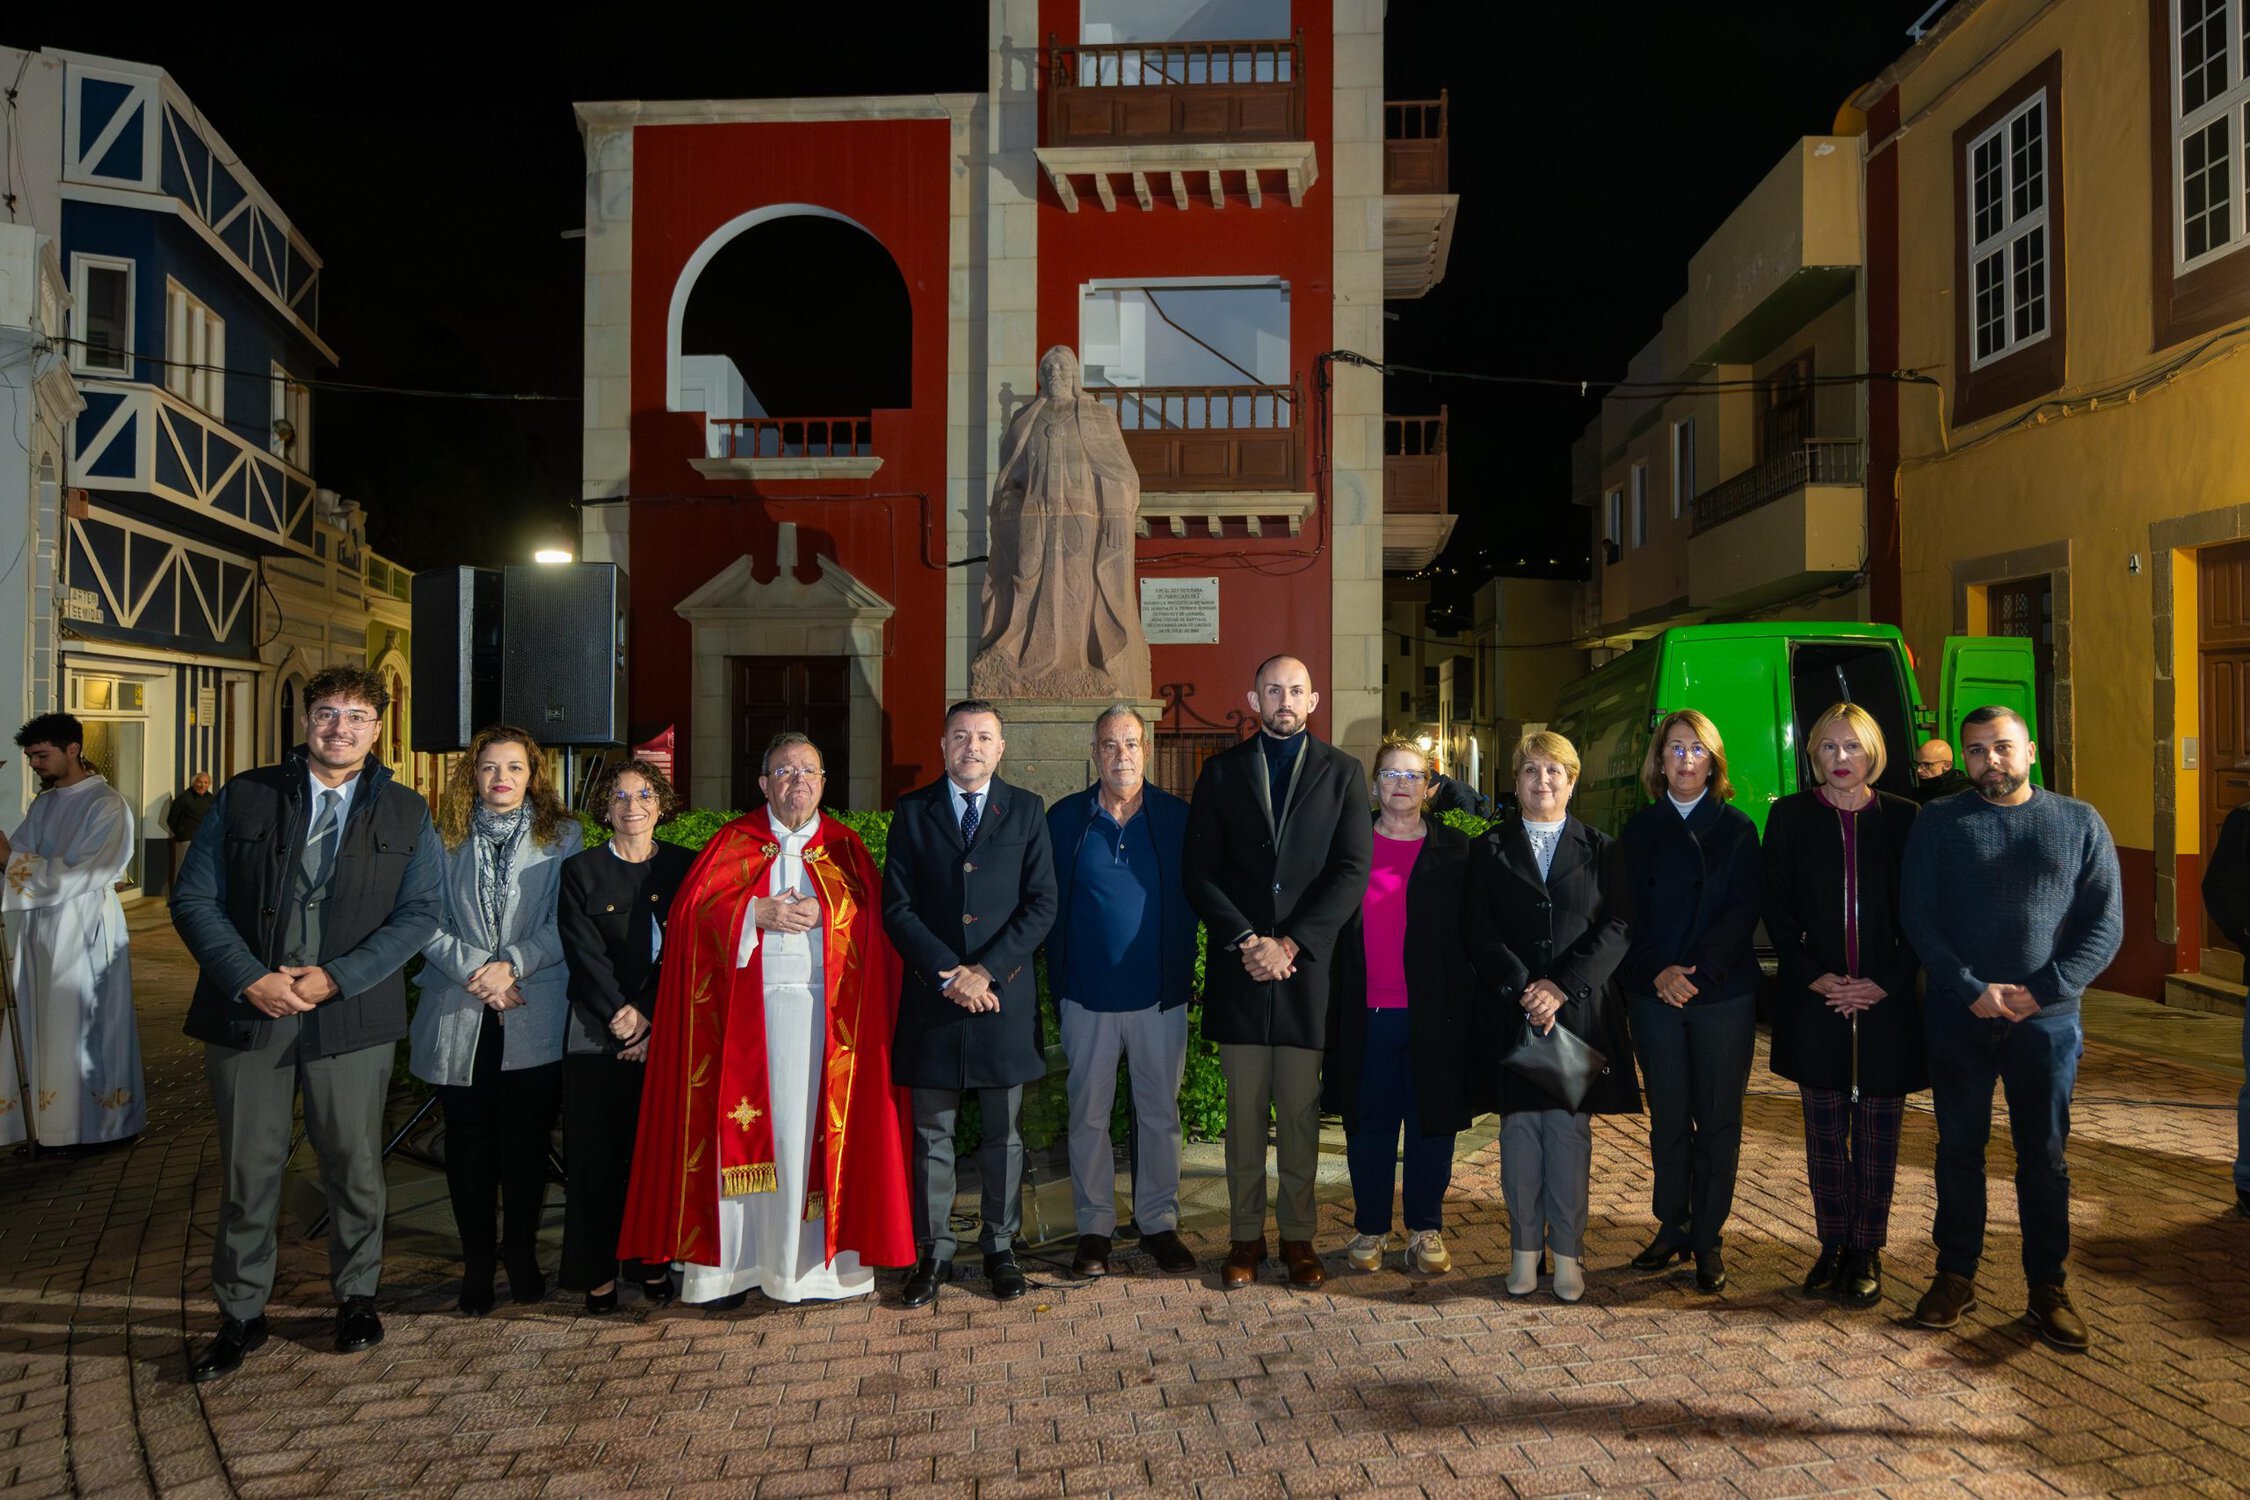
<point>1419,206</point>
<point>1417,509</point>
<point>1210,439</point>
<point>1175,93</point>
<point>790,448</point>
<point>1415,145</point>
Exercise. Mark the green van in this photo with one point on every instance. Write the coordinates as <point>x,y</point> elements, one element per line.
<point>1763,684</point>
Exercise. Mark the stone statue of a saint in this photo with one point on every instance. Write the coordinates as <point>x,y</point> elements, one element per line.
<point>1061,616</point>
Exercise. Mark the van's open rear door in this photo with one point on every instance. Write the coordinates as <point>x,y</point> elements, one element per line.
<point>1981,669</point>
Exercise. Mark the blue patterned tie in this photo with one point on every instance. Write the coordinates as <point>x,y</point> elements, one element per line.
<point>969,817</point>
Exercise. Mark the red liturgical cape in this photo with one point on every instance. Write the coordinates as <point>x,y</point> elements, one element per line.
<point>706,1110</point>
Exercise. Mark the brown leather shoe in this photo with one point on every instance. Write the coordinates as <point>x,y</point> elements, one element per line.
<point>2057,1321</point>
<point>1092,1258</point>
<point>1240,1268</point>
<point>1947,1299</point>
<point>1305,1268</point>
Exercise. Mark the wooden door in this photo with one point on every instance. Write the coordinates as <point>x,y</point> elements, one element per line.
<point>2223,644</point>
<point>809,694</point>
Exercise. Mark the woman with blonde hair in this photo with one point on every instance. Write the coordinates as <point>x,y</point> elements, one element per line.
<point>1847,1029</point>
<point>1545,915</point>
<point>1692,979</point>
<point>488,1033</point>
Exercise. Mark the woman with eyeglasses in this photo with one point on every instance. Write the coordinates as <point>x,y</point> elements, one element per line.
<point>616,898</point>
<point>1398,1019</point>
<point>1691,977</point>
<point>1847,1027</point>
<point>488,1032</point>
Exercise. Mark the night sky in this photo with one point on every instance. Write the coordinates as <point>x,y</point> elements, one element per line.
<point>436,167</point>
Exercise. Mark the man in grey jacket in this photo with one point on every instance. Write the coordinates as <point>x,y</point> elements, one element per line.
<point>306,891</point>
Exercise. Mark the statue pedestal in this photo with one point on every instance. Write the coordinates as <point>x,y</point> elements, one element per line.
<point>1051,742</point>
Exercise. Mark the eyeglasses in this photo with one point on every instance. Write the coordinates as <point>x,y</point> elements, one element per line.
<point>1687,752</point>
<point>357,718</point>
<point>1933,765</point>
<point>644,797</point>
<point>1395,775</point>
<point>796,773</point>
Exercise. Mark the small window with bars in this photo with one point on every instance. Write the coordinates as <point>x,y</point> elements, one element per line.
<point>2009,253</point>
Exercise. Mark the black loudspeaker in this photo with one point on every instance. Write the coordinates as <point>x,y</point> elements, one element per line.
<point>456,614</point>
<point>562,670</point>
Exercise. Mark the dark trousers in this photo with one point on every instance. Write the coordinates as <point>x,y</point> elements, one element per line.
<point>1371,1150</point>
<point>497,1135</point>
<point>601,1110</point>
<point>1695,1060</point>
<point>999,1162</point>
<point>1851,1161</point>
<point>2035,1062</point>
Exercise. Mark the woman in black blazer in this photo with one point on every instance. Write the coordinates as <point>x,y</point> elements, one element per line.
<point>1847,1028</point>
<point>1545,915</point>
<point>614,901</point>
<point>1691,978</point>
<point>1398,1019</point>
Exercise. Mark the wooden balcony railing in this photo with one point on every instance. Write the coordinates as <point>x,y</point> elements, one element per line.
<point>1152,93</point>
<point>792,437</point>
<point>1187,438</point>
<point>1415,466</point>
<point>1817,461</point>
<point>1416,147</point>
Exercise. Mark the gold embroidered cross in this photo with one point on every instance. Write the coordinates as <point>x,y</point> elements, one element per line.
<point>744,1114</point>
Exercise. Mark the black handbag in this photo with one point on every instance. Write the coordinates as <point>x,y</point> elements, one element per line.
<point>1557,1060</point>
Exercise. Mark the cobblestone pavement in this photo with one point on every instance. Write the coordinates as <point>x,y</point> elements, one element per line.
<point>1380,1382</point>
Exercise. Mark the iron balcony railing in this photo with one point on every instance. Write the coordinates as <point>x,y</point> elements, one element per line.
<point>1817,461</point>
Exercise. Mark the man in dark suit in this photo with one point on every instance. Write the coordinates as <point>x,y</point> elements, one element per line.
<point>968,894</point>
<point>1279,844</point>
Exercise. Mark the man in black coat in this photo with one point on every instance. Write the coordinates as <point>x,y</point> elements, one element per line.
<point>968,895</point>
<point>1934,775</point>
<point>304,894</point>
<point>1279,846</point>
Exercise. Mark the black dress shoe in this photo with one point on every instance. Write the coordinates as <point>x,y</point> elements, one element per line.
<point>475,1302</point>
<point>357,1327</point>
<point>1092,1258</point>
<point>1659,1253</point>
<point>223,1355</point>
<point>1005,1276</point>
<point>1822,1276</point>
<point>1710,1271</point>
<point>922,1282</point>
<point>1860,1283</point>
<point>526,1282</point>
<point>598,1303</point>
<point>1170,1252</point>
<point>731,1302</point>
<point>658,1291</point>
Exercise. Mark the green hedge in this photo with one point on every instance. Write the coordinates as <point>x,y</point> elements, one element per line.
<point>1045,1117</point>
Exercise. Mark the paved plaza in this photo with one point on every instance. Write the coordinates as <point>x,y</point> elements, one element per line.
<point>1381,1383</point>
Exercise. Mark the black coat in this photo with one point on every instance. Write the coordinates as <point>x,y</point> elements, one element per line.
<point>1945,785</point>
<point>1440,988</point>
<point>1568,929</point>
<point>1804,909</point>
<point>1696,886</point>
<point>2226,881</point>
<point>944,905</point>
<point>1304,885</point>
<point>604,912</point>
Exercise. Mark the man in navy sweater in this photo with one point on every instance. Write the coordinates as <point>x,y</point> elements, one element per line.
<point>2012,899</point>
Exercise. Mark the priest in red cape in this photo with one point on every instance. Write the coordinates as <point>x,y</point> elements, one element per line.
<point>771,1153</point>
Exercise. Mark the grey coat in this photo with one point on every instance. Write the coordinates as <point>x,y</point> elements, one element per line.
<point>446,1023</point>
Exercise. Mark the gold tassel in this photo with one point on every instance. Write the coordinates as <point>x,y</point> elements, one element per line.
<point>758,1177</point>
<point>816,1206</point>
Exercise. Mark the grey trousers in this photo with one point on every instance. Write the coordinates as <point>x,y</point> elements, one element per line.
<point>1545,1158</point>
<point>1286,1080</point>
<point>999,1159</point>
<point>1154,1044</point>
<point>252,1090</point>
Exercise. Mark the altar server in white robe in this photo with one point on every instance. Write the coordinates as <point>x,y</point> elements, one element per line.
<point>73,974</point>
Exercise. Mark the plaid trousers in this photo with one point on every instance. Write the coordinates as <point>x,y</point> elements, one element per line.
<point>1851,1160</point>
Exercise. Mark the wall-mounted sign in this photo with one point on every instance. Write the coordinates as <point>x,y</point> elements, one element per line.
<point>1180,611</point>
<point>82,604</point>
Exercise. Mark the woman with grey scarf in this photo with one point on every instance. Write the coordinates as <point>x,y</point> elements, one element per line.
<point>488,1032</point>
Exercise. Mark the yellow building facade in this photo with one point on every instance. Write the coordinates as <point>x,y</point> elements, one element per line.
<point>2058,235</point>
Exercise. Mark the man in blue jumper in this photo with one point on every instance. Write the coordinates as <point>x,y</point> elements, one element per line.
<point>1121,961</point>
<point>2011,897</point>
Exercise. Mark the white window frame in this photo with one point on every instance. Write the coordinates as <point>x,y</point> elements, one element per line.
<point>195,351</point>
<point>2011,232</point>
<point>1640,504</point>
<point>2230,104</point>
<point>1683,466</point>
<point>292,402</point>
<point>1615,535</point>
<point>80,302</point>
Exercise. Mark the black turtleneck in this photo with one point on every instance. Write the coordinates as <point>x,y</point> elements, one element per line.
<point>1281,754</point>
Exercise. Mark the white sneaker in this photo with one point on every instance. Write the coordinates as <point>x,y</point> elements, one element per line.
<point>1365,1252</point>
<point>1523,1273</point>
<point>1426,1253</point>
<point>1570,1279</point>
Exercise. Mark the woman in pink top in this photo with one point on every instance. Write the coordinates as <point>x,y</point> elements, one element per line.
<point>1398,1019</point>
